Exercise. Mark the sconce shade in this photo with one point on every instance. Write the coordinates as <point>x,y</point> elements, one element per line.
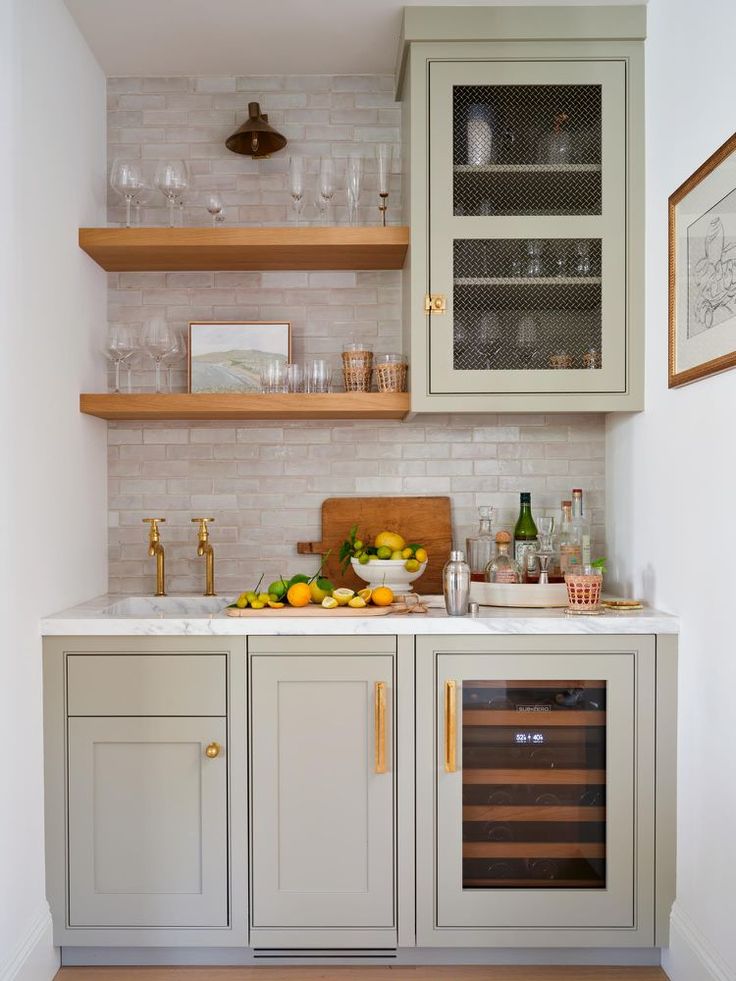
<point>256,138</point>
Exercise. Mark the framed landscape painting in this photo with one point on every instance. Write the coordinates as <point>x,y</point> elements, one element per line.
<point>702,270</point>
<point>228,356</point>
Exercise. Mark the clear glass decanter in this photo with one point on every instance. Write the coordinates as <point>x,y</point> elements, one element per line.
<point>480,548</point>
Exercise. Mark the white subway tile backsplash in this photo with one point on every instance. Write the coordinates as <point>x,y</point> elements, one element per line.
<point>264,482</point>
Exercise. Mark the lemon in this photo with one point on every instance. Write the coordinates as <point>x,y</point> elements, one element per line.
<point>357,602</point>
<point>298,594</point>
<point>391,540</point>
<point>329,602</point>
<point>397,555</point>
<point>264,597</point>
<point>383,552</point>
<point>365,594</point>
<point>242,601</point>
<point>276,604</point>
<point>411,565</point>
<point>421,555</point>
<point>406,553</point>
<point>256,604</point>
<point>317,594</point>
<point>343,595</point>
<point>383,596</point>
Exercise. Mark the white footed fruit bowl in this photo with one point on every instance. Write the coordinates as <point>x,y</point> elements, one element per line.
<point>387,572</point>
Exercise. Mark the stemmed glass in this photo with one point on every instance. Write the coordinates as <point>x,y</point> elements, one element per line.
<point>175,355</point>
<point>172,179</point>
<point>354,178</point>
<point>119,345</point>
<point>142,196</point>
<point>325,186</point>
<point>126,179</point>
<point>296,184</point>
<point>384,154</point>
<point>214,207</point>
<point>157,341</point>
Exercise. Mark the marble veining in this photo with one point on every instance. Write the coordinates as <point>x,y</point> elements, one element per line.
<point>111,615</point>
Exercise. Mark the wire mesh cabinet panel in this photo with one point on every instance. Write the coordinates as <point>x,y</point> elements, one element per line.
<point>531,805</point>
<point>527,226</point>
<point>524,288</point>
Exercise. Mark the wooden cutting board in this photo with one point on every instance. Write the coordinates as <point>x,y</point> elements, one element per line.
<point>417,519</point>
<point>312,611</point>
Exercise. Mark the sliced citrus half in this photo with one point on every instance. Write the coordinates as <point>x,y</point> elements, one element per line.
<point>365,594</point>
<point>329,602</point>
<point>343,595</point>
<point>357,602</point>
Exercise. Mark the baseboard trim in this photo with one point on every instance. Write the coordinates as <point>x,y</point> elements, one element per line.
<point>35,958</point>
<point>690,956</point>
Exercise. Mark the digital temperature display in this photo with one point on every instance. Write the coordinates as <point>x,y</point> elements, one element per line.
<point>529,738</point>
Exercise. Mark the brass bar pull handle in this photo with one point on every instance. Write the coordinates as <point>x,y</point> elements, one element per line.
<point>379,715</point>
<point>450,726</point>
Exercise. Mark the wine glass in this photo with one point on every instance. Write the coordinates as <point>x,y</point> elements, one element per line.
<point>214,206</point>
<point>354,179</point>
<point>157,340</point>
<point>119,345</point>
<point>175,355</point>
<point>126,178</point>
<point>172,179</point>
<point>325,186</point>
<point>143,194</point>
<point>384,154</point>
<point>296,184</point>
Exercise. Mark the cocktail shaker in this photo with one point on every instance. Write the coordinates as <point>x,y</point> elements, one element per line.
<point>456,585</point>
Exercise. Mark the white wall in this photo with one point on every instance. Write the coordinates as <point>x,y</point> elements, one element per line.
<point>671,474</point>
<point>52,475</point>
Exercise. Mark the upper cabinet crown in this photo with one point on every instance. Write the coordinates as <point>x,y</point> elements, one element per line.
<point>523,156</point>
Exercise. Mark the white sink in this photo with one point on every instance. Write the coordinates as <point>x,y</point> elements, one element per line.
<point>167,606</point>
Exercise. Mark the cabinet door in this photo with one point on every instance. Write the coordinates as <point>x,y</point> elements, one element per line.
<point>535,782</point>
<point>322,803</point>
<point>147,823</point>
<point>528,226</point>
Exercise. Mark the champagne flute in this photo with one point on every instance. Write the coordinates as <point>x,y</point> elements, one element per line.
<point>326,186</point>
<point>157,340</point>
<point>384,155</point>
<point>296,184</point>
<point>354,178</point>
<point>119,345</point>
<point>172,179</point>
<point>126,178</point>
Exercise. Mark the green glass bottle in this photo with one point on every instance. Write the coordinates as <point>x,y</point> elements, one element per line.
<point>525,540</point>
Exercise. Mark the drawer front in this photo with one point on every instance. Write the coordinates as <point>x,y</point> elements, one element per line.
<point>146,684</point>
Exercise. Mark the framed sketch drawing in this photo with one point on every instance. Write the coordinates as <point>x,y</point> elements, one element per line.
<point>702,270</point>
<point>228,356</point>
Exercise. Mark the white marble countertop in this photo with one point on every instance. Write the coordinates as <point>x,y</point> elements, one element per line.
<point>173,616</point>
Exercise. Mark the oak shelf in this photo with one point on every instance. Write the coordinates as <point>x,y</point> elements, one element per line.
<point>337,405</point>
<point>263,248</point>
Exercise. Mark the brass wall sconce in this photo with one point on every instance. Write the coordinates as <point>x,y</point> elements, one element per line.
<point>256,138</point>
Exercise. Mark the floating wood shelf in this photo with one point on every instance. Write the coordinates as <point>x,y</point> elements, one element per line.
<point>337,405</point>
<point>309,247</point>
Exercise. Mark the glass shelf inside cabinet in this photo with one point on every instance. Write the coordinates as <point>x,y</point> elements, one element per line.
<point>534,784</point>
<point>527,305</point>
<point>527,150</point>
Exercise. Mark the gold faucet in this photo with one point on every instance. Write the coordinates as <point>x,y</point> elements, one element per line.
<point>204,548</point>
<point>155,548</point>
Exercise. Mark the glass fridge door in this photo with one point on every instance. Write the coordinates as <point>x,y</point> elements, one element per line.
<point>536,790</point>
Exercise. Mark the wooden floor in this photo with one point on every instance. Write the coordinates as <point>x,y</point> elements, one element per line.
<point>361,974</point>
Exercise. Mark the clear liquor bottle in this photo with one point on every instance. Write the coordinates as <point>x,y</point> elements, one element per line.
<point>503,568</point>
<point>570,547</point>
<point>581,528</point>
<point>480,547</point>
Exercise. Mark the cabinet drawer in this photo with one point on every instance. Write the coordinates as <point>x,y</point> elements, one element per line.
<point>146,684</point>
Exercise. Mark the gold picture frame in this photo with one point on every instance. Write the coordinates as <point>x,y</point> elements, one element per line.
<point>702,270</point>
<point>244,345</point>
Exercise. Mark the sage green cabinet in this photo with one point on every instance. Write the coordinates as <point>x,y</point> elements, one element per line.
<point>323,865</point>
<point>524,170</point>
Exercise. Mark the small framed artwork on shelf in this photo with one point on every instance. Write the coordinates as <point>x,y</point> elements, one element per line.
<point>702,270</point>
<point>231,356</point>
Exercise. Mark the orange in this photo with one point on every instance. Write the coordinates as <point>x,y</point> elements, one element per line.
<point>382,596</point>
<point>299,594</point>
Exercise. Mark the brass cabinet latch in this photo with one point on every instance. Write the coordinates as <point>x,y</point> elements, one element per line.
<point>435,303</point>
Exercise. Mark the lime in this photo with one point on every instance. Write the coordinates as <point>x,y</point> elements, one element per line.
<point>397,555</point>
<point>383,552</point>
<point>278,587</point>
<point>365,559</point>
<point>357,544</point>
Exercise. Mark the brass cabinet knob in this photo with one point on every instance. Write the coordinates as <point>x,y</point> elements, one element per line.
<point>213,751</point>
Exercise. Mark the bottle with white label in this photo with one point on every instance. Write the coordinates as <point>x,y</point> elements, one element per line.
<point>581,528</point>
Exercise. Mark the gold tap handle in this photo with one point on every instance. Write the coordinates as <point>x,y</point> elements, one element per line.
<point>450,727</point>
<point>153,533</point>
<point>203,530</point>
<point>379,714</point>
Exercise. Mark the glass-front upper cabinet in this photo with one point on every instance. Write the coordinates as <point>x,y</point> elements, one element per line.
<point>527,226</point>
